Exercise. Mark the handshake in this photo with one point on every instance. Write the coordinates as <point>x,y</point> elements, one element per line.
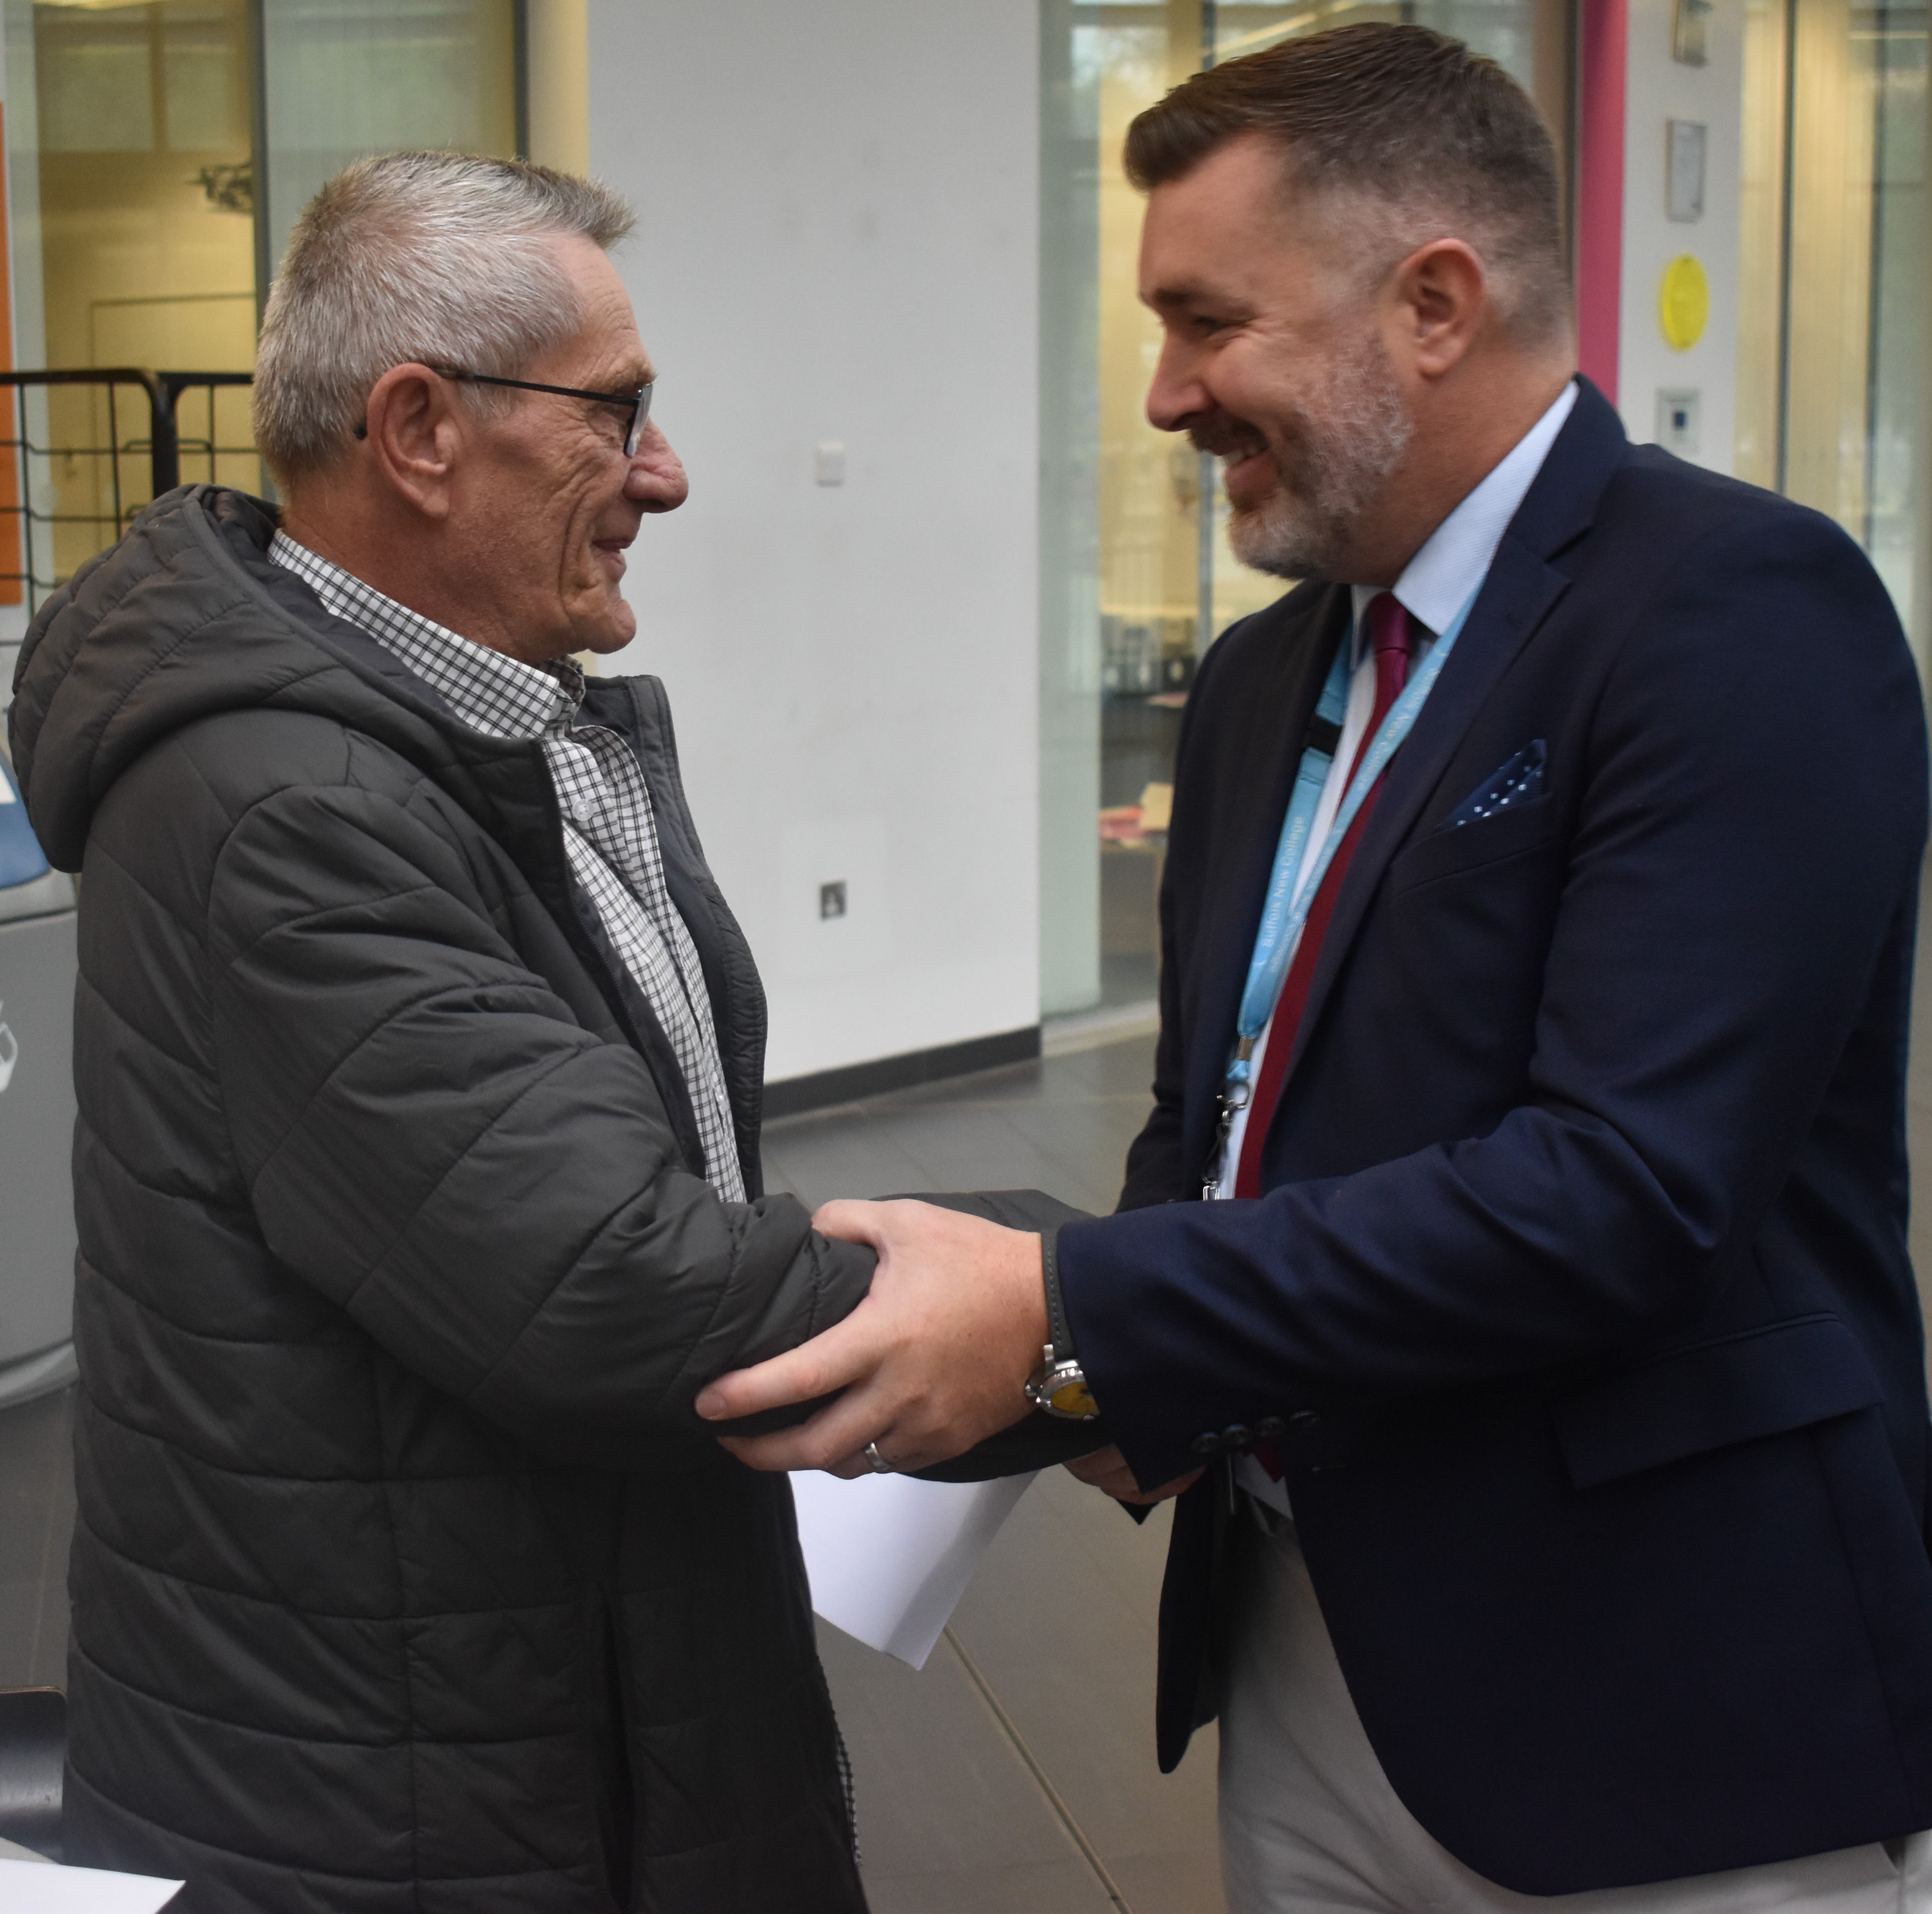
<point>929,1373</point>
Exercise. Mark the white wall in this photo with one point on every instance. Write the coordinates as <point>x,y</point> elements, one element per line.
<point>1660,89</point>
<point>838,240</point>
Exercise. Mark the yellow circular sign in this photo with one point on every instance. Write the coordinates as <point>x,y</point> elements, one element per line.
<point>1683,302</point>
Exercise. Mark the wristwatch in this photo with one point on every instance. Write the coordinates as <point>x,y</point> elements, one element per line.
<point>1059,1385</point>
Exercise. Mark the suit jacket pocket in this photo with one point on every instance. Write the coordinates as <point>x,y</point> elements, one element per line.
<point>1444,853</point>
<point>1711,1396</point>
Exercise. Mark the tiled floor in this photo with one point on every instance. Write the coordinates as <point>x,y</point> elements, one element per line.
<point>36,1522</point>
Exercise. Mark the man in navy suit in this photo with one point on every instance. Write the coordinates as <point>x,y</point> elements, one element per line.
<point>1513,1270</point>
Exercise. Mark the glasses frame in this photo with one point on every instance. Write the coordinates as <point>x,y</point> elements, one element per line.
<point>638,401</point>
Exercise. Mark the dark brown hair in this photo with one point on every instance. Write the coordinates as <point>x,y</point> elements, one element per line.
<point>1443,137</point>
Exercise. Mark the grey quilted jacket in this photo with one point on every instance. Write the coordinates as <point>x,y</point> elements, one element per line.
<point>405,1578</point>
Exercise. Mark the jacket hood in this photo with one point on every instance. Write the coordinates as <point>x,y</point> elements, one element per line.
<point>183,619</point>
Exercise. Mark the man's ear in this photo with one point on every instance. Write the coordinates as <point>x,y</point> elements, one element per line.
<point>1441,298</point>
<point>414,431</point>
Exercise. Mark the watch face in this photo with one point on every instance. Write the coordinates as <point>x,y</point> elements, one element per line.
<point>1071,1396</point>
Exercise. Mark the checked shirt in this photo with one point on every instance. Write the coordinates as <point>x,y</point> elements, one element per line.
<point>610,833</point>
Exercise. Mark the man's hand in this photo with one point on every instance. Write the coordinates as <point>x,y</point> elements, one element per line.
<point>935,1359</point>
<point>1107,1470</point>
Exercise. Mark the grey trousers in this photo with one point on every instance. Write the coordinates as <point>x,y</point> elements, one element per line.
<point>1308,1821</point>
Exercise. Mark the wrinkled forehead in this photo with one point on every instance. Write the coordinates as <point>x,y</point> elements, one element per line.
<point>607,343</point>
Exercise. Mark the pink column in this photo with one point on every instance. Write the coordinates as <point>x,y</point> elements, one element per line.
<point>1604,65</point>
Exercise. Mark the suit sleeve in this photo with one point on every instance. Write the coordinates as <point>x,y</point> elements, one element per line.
<point>1750,822</point>
<point>428,1136</point>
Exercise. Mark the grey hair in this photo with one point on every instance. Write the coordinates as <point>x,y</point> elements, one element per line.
<point>440,258</point>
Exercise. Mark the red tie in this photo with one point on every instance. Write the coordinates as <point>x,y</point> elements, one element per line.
<point>1392,631</point>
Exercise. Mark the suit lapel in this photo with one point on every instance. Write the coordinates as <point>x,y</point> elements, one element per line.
<point>1519,592</point>
<point>1254,767</point>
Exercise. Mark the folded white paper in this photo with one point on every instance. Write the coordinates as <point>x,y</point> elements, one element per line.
<point>28,1887</point>
<point>890,1556</point>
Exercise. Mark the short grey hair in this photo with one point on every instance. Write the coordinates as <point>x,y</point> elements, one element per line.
<point>440,258</point>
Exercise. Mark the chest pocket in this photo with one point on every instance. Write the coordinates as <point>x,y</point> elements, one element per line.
<point>1450,852</point>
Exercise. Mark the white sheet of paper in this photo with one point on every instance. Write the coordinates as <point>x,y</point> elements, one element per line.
<point>889,1556</point>
<point>31,1887</point>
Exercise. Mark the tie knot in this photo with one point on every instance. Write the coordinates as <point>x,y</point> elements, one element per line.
<point>1391,628</point>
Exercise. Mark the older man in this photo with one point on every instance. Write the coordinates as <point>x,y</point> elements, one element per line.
<point>417,1173</point>
<point>1539,917</point>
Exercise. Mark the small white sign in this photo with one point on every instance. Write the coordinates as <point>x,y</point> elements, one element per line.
<point>1679,412</point>
<point>1684,172</point>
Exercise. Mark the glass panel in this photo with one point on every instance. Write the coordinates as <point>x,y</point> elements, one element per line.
<point>351,77</point>
<point>138,238</point>
<point>1761,243</point>
<point>1897,518</point>
<point>1136,575</point>
<point>1832,376</point>
<point>144,224</point>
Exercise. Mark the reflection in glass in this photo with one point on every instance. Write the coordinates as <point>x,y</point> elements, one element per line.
<point>145,211</point>
<point>347,78</point>
<point>145,215</point>
<point>1832,378</point>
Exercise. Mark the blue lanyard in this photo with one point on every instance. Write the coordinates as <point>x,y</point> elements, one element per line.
<point>1288,903</point>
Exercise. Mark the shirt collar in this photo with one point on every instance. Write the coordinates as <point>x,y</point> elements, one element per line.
<point>490,691</point>
<point>1444,574</point>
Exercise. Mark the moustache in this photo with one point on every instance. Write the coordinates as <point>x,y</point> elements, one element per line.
<point>1226,439</point>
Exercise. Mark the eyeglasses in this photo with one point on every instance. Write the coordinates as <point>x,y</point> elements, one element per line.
<point>637,403</point>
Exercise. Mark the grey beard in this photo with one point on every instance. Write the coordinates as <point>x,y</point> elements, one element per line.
<point>1344,446</point>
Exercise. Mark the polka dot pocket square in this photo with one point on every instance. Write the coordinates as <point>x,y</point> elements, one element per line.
<point>1519,780</point>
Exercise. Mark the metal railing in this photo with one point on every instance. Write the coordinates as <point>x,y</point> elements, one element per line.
<point>90,447</point>
<point>188,448</point>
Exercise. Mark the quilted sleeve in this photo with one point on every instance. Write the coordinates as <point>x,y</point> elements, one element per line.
<point>429,1137</point>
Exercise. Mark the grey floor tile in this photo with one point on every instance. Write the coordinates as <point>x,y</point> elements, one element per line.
<point>1060,1624</point>
<point>1110,1069</point>
<point>1085,1144</point>
<point>856,1156</point>
<point>36,1526</point>
<point>968,1149</point>
<point>49,1662</point>
<point>1178,1883</point>
<point>941,1789</point>
<point>21,1604</point>
<point>1011,1083</point>
<point>993,1888</point>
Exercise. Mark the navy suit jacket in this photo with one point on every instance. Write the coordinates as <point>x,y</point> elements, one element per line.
<point>1580,1277</point>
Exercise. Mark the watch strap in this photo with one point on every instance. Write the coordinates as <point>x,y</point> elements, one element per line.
<point>1056,1306</point>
